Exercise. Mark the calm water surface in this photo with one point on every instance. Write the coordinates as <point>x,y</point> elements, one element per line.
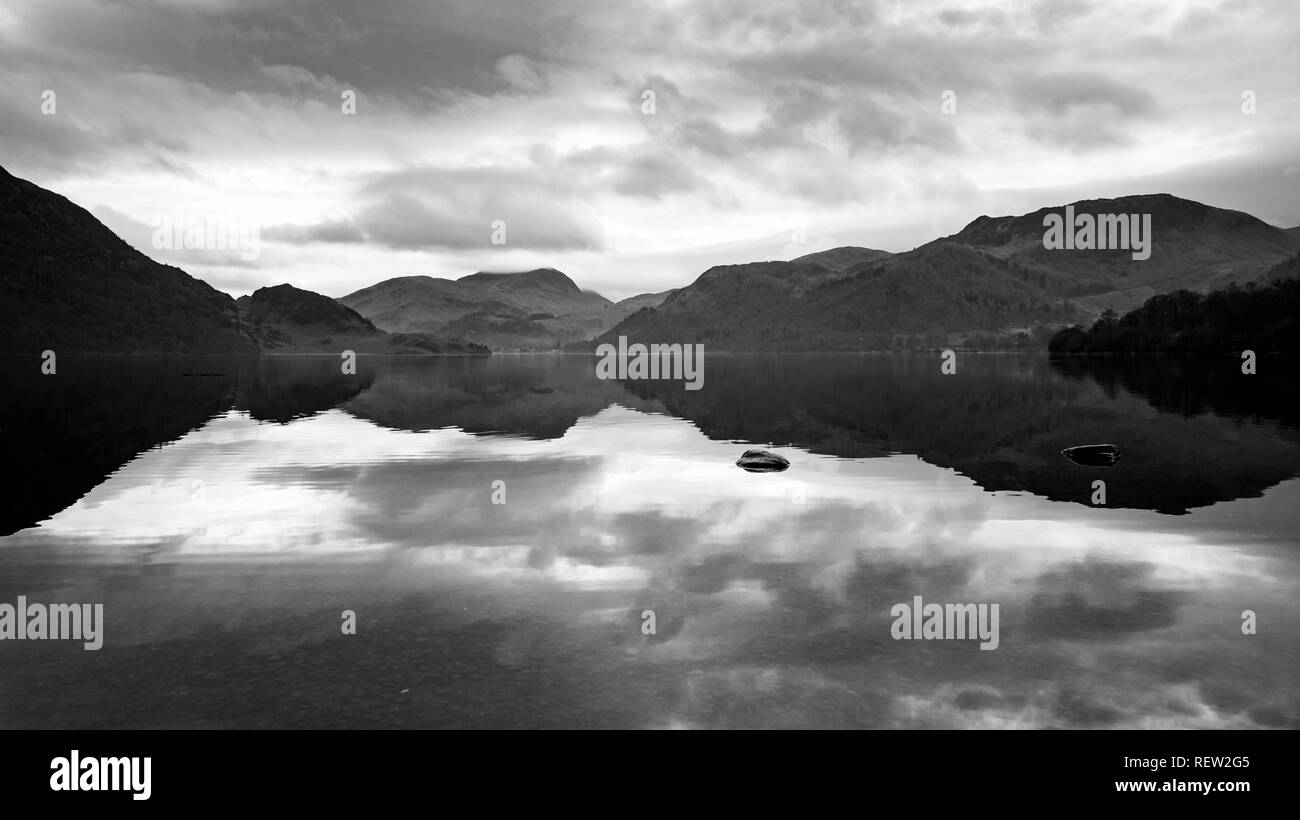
<point>227,511</point>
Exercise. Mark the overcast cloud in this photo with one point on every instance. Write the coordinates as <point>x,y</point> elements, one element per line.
<point>768,117</point>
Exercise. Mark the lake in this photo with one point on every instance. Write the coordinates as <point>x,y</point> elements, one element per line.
<point>521,544</point>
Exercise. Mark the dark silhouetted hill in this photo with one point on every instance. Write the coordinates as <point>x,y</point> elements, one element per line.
<point>69,284</point>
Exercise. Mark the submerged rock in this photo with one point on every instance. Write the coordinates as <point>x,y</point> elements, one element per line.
<point>1092,455</point>
<point>761,461</point>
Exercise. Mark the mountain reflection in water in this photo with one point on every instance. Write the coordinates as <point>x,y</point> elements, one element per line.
<point>225,521</point>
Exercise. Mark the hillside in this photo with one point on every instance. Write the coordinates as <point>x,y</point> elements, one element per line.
<point>632,304</point>
<point>1263,319</point>
<point>1286,269</point>
<point>843,257</point>
<point>587,324</point>
<point>69,284</point>
<point>285,319</point>
<point>1194,247</point>
<point>991,285</point>
<point>283,315</point>
<point>938,294</point>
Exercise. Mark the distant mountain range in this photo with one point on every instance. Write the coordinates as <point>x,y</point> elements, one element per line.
<point>539,309</point>
<point>69,284</point>
<point>288,318</point>
<point>992,284</point>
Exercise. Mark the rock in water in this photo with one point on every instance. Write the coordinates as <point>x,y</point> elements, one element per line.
<point>761,461</point>
<point>1092,455</point>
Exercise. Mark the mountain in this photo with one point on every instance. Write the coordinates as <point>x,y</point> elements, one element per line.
<point>590,323</point>
<point>544,290</point>
<point>283,315</point>
<point>843,257</point>
<point>632,304</point>
<point>992,284</point>
<point>426,303</point>
<point>848,299</point>
<point>1193,246</point>
<point>538,309</point>
<point>288,319</point>
<point>69,284</point>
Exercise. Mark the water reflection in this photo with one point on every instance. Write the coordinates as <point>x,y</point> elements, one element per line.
<point>1003,421</point>
<point>61,434</point>
<point>225,556</point>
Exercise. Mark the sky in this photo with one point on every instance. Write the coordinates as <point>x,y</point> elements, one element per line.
<point>631,145</point>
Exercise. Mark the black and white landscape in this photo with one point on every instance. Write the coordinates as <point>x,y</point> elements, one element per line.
<point>396,365</point>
